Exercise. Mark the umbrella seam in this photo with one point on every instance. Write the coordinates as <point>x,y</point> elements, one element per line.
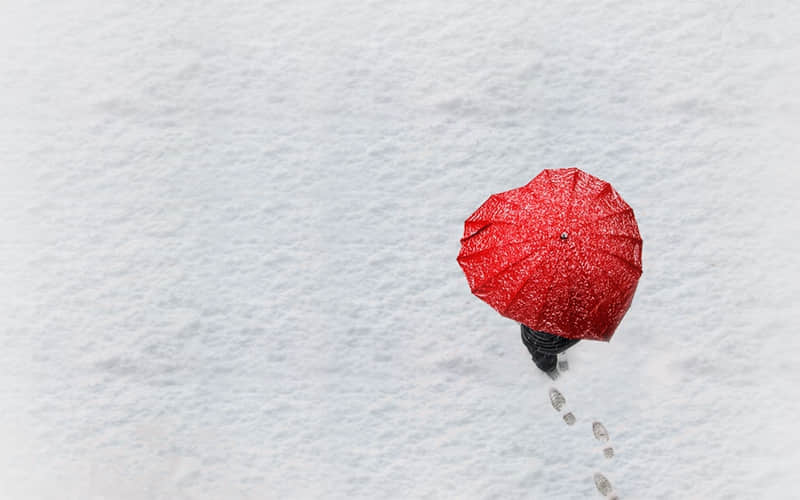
<point>618,257</point>
<point>615,283</point>
<point>590,282</point>
<point>481,252</point>
<point>478,287</point>
<point>625,285</point>
<point>607,216</point>
<point>488,223</point>
<point>476,233</point>
<point>611,278</point>
<point>572,196</point>
<point>505,200</point>
<point>519,290</point>
<point>517,205</point>
<point>607,187</point>
<point>549,289</point>
<point>625,236</point>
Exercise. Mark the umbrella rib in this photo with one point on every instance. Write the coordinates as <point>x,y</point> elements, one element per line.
<point>571,314</point>
<point>622,236</point>
<point>589,281</point>
<point>558,323</point>
<point>572,195</point>
<point>611,278</point>
<point>487,224</point>
<point>481,252</point>
<point>618,257</point>
<point>553,187</point>
<point>549,290</point>
<point>607,216</point>
<point>505,200</point>
<point>506,268</point>
<point>599,299</point>
<point>602,269</point>
<point>484,228</point>
<point>499,199</point>
<point>619,212</point>
<point>481,221</point>
<point>524,284</point>
<point>525,208</point>
<point>476,233</point>
<point>606,188</point>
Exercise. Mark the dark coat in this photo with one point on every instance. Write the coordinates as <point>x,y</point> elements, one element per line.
<point>544,347</point>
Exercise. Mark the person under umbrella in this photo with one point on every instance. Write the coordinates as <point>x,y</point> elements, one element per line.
<point>561,256</point>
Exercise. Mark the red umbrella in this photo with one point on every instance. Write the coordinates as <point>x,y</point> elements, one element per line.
<point>561,254</point>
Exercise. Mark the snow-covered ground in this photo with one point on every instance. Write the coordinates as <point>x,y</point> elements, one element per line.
<point>229,233</point>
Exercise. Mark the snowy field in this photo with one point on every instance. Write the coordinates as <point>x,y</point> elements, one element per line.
<point>229,234</point>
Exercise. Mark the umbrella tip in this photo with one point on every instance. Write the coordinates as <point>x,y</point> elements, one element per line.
<point>564,235</point>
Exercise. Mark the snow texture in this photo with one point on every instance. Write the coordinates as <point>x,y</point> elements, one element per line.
<point>229,235</point>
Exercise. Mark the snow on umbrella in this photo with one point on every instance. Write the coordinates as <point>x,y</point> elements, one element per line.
<point>561,254</point>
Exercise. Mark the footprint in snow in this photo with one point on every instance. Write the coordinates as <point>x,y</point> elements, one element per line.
<point>559,402</point>
<point>604,486</point>
<point>601,434</point>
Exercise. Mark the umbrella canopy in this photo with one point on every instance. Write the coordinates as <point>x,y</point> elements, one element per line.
<point>561,254</point>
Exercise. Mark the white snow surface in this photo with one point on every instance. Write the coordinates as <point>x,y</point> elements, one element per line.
<point>229,234</point>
